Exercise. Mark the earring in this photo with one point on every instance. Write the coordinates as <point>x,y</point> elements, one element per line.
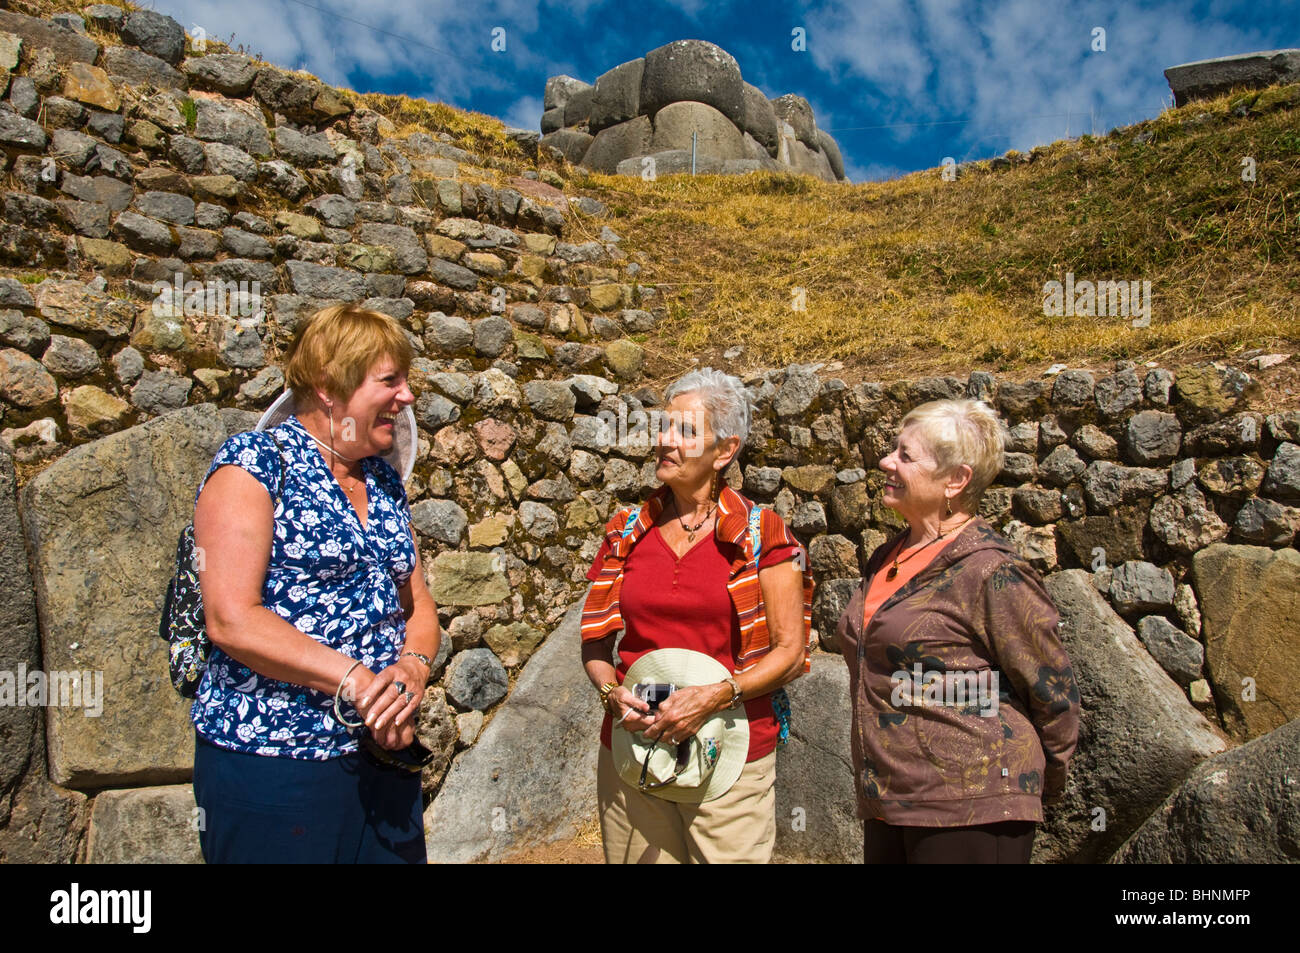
<point>947,502</point>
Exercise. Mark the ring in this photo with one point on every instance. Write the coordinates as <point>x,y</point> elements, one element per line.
<point>409,696</point>
<point>400,686</point>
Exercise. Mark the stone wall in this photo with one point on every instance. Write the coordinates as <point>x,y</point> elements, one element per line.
<point>1169,490</point>
<point>638,119</point>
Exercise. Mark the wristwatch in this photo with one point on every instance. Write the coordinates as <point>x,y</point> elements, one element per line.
<point>735,691</point>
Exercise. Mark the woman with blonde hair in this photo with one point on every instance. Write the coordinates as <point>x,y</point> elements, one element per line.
<point>965,709</point>
<point>320,620</point>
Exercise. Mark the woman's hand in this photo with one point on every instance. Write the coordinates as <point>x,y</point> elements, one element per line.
<point>381,703</point>
<point>624,702</point>
<point>686,710</point>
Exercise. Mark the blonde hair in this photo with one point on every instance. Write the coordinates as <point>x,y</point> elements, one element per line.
<point>337,346</point>
<point>958,432</point>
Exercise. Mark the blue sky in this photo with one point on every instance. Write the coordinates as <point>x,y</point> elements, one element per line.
<point>900,83</point>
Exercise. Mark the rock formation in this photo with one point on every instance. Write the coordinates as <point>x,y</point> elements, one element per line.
<point>640,116</point>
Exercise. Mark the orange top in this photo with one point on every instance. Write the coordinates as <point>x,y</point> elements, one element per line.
<point>881,587</point>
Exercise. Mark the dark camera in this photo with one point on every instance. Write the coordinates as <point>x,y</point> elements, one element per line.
<point>653,692</point>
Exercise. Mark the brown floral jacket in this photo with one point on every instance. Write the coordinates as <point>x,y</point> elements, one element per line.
<point>935,744</point>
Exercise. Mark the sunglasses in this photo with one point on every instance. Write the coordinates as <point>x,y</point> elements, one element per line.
<point>653,693</point>
<point>412,758</point>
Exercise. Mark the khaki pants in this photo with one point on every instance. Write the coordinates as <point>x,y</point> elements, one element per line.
<point>737,828</point>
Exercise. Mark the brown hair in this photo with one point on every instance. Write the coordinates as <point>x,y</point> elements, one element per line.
<point>336,347</point>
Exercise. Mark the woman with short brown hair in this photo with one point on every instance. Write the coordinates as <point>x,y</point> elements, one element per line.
<point>319,616</point>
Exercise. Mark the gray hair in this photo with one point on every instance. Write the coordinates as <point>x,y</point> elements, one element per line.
<point>724,398</point>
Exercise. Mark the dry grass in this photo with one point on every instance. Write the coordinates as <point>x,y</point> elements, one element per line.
<point>919,276</point>
<point>474,132</point>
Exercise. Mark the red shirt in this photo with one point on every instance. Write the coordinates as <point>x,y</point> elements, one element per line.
<point>683,603</point>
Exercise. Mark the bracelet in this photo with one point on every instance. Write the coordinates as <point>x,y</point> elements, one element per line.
<point>339,691</point>
<point>604,694</point>
<point>428,662</point>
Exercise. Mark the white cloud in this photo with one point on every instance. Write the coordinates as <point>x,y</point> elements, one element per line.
<point>1014,68</point>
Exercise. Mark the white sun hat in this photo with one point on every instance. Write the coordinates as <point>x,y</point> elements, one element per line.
<point>717,752</point>
<point>401,457</point>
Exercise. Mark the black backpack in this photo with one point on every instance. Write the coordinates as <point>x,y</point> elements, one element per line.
<point>182,626</point>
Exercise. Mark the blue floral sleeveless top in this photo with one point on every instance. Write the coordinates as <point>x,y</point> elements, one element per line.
<point>328,577</point>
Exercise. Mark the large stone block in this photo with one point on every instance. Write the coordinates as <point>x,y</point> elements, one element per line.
<point>815,807</point>
<point>571,142</point>
<point>617,97</point>
<point>693,71</point>
<point>760,119</point>
<point>1239,807</point>
<point>1206,79</point>
<point>716,135</point>
<point>797,111</point>
<point>102,524</point>
<point>19,638</point>
<point>46,823</point>
<point>158,825</point>
<point>831,150</point>
<point>1139,736</point>
<point>616,143</point>
<point>1249,598</point>
<point>531,777</point>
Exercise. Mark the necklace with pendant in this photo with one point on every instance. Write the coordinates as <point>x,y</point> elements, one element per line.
<point>691,530</point>
<point>893,570</point>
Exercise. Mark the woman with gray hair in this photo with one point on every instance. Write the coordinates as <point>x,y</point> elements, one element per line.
<point>713,597</point>
<point>965,709</point>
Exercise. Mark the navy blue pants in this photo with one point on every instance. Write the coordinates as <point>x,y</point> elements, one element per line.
<point>347,810</point>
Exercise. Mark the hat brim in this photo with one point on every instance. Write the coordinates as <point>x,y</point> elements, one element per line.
<point>401,456</point>
<point>685,668</point>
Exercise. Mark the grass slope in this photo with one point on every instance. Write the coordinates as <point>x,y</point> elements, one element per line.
<point>921,275</point>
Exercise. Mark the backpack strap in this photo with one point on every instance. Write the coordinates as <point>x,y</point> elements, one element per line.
<point>756,532</point>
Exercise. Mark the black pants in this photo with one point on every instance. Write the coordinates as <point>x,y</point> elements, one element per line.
<point>1007,842</point>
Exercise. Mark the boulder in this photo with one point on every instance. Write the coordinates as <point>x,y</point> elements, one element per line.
<point>796,111</point>
<point>617,143</point>
<point>476,679</point>
<point>1239,807</point>
<point>572,143</point>
<point>530,779</point>
<point>1206,79</point>
<point>230,74</point>
<point>1249,597</point>
<point>67,45</point>
<point>102,524</point>
<point>1139,735</point>
<point>815,807</point>
<point>617,96</point>
<point>693,71</point>
<point>716,135</point>
<point>831,150</point>
<point>156,34</point>
<point>760,119</point>
<point>559,90</point>
<point>154,825</point>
